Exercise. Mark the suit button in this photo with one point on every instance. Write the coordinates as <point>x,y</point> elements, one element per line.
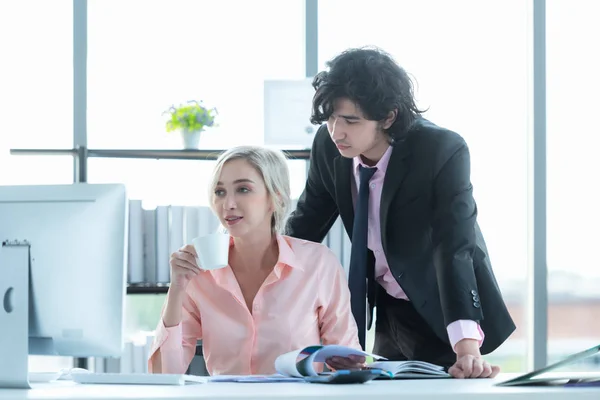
<point>473,292</point>
<point>476,304</point>
<point>475,298</point>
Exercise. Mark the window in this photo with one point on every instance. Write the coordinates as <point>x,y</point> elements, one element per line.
<point>470,62</point>
<point>142,313</point>
<point>36,77</point>
<point>36,99</point>
<point>573,213</point>
<point>217,52</point>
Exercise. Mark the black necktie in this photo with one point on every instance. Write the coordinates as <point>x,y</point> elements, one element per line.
<point>357,279</point>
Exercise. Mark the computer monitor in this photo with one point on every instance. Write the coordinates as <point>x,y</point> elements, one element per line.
<point>76,236</point>
<point>287,111</point>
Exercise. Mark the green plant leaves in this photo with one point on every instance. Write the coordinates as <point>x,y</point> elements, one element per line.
<point>192,117</point>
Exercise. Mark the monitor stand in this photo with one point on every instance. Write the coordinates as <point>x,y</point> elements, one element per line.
<point>14,314</point>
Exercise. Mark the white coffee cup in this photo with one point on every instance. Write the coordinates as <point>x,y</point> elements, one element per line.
<point>212,250</point>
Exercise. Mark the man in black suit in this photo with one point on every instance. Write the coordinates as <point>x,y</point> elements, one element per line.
<point>418,255</point>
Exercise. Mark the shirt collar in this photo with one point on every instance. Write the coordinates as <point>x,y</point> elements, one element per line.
<point>381,164</point>
<point>286,253</point>
<point>287,257</point>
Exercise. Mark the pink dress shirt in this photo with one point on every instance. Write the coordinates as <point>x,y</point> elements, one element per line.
<point>304,301</point>
<point>457,330</point>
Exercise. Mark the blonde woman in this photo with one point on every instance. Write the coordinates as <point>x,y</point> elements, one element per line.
<point>276,295</point>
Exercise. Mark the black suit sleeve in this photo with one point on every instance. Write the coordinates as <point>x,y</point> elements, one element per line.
<point>316,210</point>
<point>454,237</point>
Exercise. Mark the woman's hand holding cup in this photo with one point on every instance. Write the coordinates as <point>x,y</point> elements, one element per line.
<point>207,252</point>
<point>183,267</point>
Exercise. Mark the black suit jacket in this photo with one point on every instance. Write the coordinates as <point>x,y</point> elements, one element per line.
<point>430,235</point>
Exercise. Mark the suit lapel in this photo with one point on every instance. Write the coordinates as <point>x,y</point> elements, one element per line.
<point>342,169</point>
<point>394,176</point>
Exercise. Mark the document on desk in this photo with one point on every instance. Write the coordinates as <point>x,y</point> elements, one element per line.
<point>254,378</point>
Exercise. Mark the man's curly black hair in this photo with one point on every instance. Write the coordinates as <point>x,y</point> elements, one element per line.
<point>371,79</point>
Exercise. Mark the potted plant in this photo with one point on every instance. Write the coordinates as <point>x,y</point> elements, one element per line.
<point>190,119</point>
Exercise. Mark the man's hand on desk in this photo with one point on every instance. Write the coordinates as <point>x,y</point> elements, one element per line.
<point>352,362</point>
<point>469,363</point>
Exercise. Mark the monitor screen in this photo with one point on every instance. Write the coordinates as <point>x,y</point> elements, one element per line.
<point>77,236</point>
<point>287,111</point>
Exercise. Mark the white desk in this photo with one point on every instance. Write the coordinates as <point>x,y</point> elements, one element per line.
<point>448,389</point>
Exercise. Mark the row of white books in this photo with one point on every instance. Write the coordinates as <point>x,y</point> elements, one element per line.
<point>154,234</point>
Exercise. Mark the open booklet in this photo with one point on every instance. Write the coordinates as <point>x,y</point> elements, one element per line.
<point>301,363</point>
<point>306,365</point>
<point>410,369</point>
<point>549,375</point>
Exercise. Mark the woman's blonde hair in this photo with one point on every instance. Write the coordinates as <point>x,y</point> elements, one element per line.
<point>272,166</point>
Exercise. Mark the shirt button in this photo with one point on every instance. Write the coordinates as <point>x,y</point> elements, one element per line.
<point>372,186</point>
